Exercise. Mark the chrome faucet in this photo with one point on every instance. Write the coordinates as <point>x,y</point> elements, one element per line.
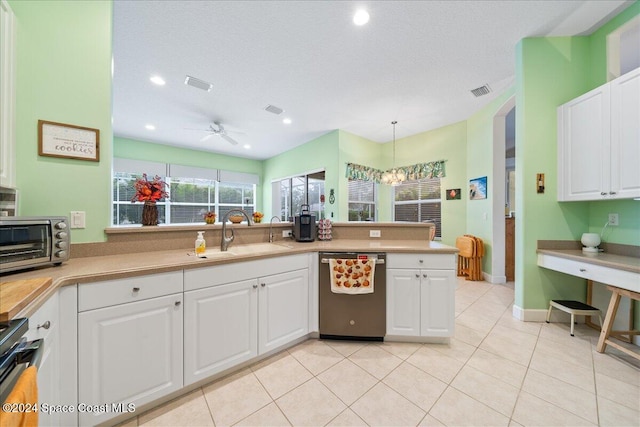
<point>270,227</point>
<point>226,241</point>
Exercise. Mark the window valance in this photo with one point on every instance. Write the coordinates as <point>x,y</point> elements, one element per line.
<point>413,172</point>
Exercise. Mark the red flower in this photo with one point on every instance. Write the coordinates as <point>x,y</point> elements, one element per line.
<point>149,191</point>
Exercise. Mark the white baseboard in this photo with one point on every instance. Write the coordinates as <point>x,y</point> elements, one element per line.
<point>538,315</point>
<point>494,279</point>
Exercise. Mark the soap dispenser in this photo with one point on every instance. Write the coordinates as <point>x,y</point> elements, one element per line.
<point>201,245</point>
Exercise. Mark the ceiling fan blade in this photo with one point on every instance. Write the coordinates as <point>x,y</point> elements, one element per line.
<point>206,137</point>
<point>229,139</point>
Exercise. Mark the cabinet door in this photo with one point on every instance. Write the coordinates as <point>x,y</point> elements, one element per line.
<point>283,309</point>
<point>584,147</point>
<point>403,302</point>
<point>625,136</point>
<point>437,300</point>
<point>221,328</point>
<point>130,353</point>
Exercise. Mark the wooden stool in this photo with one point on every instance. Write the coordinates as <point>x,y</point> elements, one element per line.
<point>607,329</point>
<point>574,308</point>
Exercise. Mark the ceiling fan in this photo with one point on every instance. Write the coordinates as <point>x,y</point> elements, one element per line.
<point>217,129</point>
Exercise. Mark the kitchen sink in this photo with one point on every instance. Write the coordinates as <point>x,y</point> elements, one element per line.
<point>259,248</point>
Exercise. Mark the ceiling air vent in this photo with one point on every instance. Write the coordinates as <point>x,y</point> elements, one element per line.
<point>482,90</point>
<point>197,83</point>
<point>273,109</point>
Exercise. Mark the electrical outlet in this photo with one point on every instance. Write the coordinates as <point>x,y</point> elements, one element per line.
<point>287,233</point>
<point>374,233</point>
<point>613,219</point>
<point>78,219</point>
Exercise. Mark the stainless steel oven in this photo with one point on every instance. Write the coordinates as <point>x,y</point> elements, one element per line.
<point>27,242</point>
<point>16,354</point>
<point>346,316</point>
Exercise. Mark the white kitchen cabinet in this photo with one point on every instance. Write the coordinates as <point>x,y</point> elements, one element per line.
<point>8,25</point>
<point>283,309</point>
<point>230,322</point>
<point>420,301</point>
<point>128,352</point>
<point>44,325</point>
<point>599,142</point>
<point>221,328</point>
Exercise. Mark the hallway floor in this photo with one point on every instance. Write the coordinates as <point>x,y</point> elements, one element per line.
<point>497,371</point>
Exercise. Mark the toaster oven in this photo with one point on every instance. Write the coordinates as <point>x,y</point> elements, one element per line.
<point>27,242</point>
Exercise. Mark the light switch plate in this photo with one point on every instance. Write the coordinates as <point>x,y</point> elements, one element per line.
<point>614,219</point>
<point>287,233</point>
<point>78,219</point>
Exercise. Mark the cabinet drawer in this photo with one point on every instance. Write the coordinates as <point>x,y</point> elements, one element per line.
<point>244,270</point>
<point>46,317</point>
<point>120,291</point>
<point>438,261</point>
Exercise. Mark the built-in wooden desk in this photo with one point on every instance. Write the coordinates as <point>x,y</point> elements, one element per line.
<point>621,273</point>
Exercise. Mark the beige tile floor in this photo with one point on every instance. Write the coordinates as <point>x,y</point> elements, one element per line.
<point>495,371</point>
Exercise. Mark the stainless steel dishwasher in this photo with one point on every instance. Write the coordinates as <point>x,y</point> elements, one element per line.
<point>359,317</point>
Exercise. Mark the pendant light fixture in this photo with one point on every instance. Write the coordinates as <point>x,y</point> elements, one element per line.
<point>393,176</point>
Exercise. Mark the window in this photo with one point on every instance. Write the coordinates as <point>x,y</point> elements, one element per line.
<point>418,201</point>
<point>290,194</point>
<point>192,192</point>
<point>362,200</point>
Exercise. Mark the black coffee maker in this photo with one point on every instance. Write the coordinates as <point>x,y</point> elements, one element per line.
<point>304,227</point>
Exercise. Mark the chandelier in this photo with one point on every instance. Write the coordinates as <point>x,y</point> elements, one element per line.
<point>393,176</point>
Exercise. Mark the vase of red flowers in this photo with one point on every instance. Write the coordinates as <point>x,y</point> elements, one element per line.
<point>149,192</point>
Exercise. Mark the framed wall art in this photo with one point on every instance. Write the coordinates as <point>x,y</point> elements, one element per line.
<point>453,194</point>
<point>478,188</point>
<point>68,141</point>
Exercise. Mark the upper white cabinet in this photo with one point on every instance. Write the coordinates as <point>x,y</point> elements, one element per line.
<point>599,142</point>
<point>7,95</point>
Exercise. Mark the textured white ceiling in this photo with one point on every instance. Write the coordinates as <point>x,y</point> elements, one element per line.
<point>414,62</point>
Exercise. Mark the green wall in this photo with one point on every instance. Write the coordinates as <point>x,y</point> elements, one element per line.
<point>133,149</point>
<point>447,143</point>
<point>550,72</point>
<point>480,159</point>
<point>64,75</point>
<point>320,153</point>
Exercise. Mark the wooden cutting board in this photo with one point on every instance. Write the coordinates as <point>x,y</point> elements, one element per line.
<point>16,295</point>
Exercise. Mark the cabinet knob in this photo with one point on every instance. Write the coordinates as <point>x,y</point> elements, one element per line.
<point>263,284</point>
<point>136,289</point>
<point>424,275</point>
<point>255,286</point>
<point>177,303</point>
<point>420,261</point>
<point>45,325</point>
<point>417,276</point>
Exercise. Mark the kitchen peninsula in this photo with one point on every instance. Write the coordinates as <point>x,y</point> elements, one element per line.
<point>217,314</point>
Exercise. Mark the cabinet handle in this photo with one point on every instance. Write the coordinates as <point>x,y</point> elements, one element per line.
<point>263,284</point>
<point>255,286</point>
<point>582,270</point>
<point>177,303</point>
<point>45,325</point>
<point>136,289</point>
<point>602,193</point>
<point>612,192</point>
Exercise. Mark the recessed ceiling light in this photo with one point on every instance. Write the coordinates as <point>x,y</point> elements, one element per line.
<point>246,146</point>
<point>197,83</point>
<point>286,121</point>
<point>150,127</point>
<point>361,17</point>
<point>157,80</point>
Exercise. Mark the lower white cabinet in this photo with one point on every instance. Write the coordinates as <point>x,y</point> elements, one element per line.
<point>420,301</point>
<point>231,323</point>
<point>130,353</point>
<point>44,325</point>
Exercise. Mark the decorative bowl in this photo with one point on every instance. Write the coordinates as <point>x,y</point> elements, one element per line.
<point>236,219</point>
<point>590,241</point>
